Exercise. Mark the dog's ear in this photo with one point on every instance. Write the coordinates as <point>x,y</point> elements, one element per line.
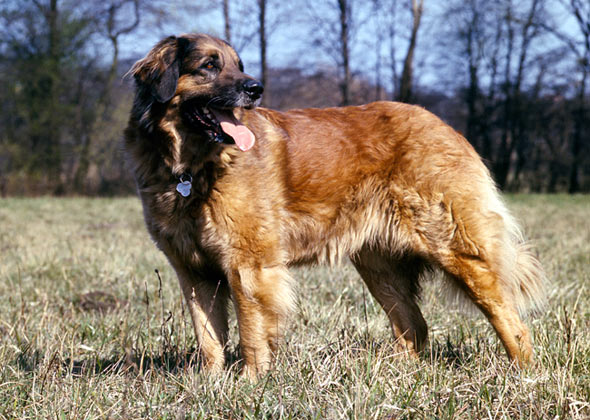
<point>160,68</point>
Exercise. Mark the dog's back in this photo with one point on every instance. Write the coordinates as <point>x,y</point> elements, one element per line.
<point>395,189</point>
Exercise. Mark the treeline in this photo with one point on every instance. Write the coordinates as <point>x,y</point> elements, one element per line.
<point>510,75</point>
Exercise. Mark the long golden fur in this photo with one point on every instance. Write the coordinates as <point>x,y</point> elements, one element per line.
<point>388,185</point>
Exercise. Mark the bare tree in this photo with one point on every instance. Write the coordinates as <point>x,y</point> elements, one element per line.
<point>392,49</point>
<point>263,49</point>
<point>241,22</point>
<point>108,22</point>
<point>499,52</point>
<point>520,31</point>
<point>334,27</point>
<point>390,25</point>
<point>226,20</point>
<point>46,138</point>
<point>405,91</point>
<point>379,89</point>
<point>344,9</point>
<point>471,34</point>
<point>580,9</point>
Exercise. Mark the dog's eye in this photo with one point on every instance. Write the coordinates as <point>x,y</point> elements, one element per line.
<point>209,65</point>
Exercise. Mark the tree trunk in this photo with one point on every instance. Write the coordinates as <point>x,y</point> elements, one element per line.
<point>405,90</point>
<point>490,102</point>
<point>574,181</point>
<point>472,91</point>
<point>50,149</point>
<point>502,161</point>
<point>392,52</point>
<point>583,19</point>
<point>263,46</point>
<point>378,83</point>
<point>227,23</point>
<point>553,176</point>
<point>344,38</point>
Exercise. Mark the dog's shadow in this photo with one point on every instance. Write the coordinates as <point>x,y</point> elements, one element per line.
<point>447,353</point>
<point>457,354</point>
<point>170,361</point>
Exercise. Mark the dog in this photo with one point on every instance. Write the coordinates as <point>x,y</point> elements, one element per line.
<point>235,194</point>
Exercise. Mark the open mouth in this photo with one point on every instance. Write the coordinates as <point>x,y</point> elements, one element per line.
<point>220,125</point>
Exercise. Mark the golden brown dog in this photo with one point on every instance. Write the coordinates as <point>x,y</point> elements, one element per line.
<point>234,195</point>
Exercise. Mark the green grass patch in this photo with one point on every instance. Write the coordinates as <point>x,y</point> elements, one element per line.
<point>87,331</point>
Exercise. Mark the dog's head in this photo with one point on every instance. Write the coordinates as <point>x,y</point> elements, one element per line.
<point>204,78</point>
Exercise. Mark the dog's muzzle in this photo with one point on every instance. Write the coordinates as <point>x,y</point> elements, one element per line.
<point>253,89</point>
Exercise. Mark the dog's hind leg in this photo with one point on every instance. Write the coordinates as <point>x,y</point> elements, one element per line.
<point>481,283</point>
<point>488,260</point>
<point>394,282</point>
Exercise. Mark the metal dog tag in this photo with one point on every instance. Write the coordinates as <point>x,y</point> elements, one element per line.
<point>184,186</point>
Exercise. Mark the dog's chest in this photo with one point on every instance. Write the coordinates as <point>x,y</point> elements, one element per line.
<point>177,224</point>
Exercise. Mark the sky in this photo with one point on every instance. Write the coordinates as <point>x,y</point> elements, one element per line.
<point>290,35</point>
<point>283,44</point>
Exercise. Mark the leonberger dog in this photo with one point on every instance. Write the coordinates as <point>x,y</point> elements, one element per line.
<point>235,194</point>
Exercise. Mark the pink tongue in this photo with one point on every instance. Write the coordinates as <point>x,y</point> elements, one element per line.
<point>243,137</point>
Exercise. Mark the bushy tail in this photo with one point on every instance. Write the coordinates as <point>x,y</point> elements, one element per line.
<point>528,281</point>
<point>522,273</point>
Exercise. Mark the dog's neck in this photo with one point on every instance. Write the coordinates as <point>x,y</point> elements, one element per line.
<point>165,151</point>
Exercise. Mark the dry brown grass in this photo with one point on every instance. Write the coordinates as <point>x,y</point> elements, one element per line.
<point>87,331</point>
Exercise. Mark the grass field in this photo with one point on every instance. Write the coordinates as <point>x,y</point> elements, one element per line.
<point>87,330</point>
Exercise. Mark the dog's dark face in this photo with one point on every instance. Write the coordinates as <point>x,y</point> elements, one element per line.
<point>204,78</point>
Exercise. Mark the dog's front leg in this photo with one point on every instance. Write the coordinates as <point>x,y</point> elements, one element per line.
<point>263,299</point>
<point>207,300</point>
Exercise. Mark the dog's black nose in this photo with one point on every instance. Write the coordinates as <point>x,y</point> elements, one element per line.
<point>253,88</point>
